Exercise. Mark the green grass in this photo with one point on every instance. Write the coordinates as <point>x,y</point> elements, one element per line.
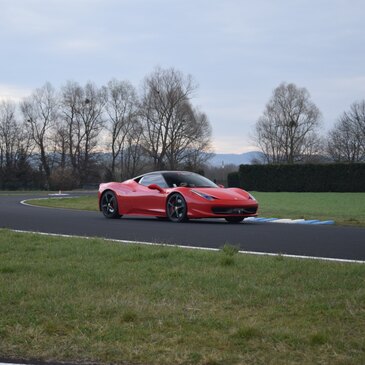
<point>343,208</point>
<point>85,202</point>
<point>81,300</point>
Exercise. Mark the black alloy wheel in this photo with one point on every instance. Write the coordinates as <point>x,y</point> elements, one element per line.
<point>109,205</point>
<point>234,219</point>
<point>176,208</point>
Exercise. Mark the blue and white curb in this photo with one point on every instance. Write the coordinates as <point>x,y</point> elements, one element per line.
<point>287,221</point>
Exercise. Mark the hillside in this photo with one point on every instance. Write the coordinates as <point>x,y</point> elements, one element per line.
<point>235,159</point>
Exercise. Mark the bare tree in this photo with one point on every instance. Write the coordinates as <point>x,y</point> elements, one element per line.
<point>8,134</point>
<point>219,174</point>
<point>82,112</point>
<point>346,141</point>
<point>71,98</point>
<point>91,115</point>
<point>65,130</point>
<point>60,148</point>
<point>14,142</point>
<point>134,158</point>
<point>40,111</point>
<point>171,126</point>
<point>287,131</point>
<point>190,139</point>
<point>122,110</point>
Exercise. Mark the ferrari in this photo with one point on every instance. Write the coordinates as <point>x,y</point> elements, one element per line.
<point>176,196</point>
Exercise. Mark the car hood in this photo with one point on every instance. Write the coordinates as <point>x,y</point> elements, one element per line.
<point>224,193</point>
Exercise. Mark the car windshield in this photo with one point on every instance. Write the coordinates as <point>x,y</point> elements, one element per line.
<point>188,179</point>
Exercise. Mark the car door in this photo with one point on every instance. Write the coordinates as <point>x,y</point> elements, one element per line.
<point>146,200</point>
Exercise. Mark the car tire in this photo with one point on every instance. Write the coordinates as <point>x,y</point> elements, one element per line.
<point>234,219</point>
<point>109,205</point>
<point>176,208</point>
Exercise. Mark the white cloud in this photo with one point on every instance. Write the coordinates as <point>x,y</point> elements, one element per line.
<point>13,93</point>
<point>79,46</point>
<point>353,84</point>
<point>334,95</point>
<point>23,18</point>
<point>232,144</point>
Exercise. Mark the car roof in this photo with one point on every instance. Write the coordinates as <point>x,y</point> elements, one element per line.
<point>164,172</point>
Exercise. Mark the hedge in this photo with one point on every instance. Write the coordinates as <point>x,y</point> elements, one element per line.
<point>301,177</point>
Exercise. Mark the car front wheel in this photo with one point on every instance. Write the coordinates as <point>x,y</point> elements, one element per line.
<point>176,208</point>
<point>109,205</point>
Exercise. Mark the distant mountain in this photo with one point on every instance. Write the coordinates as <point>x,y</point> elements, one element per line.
<point>235,159</point>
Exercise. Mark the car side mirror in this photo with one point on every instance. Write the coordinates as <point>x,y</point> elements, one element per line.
<point>155,187</point>
<point>221,186</point>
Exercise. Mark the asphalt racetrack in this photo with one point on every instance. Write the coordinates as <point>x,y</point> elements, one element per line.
<point>325,241</point>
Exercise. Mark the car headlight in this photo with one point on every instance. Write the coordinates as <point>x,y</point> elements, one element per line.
<point>250,196</point>
<point>203,195</point>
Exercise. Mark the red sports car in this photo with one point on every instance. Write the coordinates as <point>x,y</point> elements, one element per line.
<point>176,195</point>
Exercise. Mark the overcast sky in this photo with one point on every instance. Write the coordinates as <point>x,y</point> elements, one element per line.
<point>238,51</point>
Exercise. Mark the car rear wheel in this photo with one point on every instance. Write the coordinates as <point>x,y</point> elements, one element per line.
<point>234,219</point>
<point>176,208</point>
<point>109,205</point>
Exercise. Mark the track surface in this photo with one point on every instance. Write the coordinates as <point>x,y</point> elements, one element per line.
<point>306,240</point>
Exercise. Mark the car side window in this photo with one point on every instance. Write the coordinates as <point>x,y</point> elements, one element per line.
<point>157,179</point>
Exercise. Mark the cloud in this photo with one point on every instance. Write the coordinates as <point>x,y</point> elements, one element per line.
<point>233,144</point>
<point>79,46</point>
<point>352,83</point>
<point>18,18</point>
<point>13,93</point>
<point>334,95</point>
<point>238,51</point>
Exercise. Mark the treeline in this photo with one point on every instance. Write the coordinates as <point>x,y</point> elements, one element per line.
<point>79,135</point>
<point>83,134</point>
<point>289,131</point>
<point>339,177</point>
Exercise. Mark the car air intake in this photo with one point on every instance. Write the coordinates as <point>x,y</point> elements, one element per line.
<point>234,210</point>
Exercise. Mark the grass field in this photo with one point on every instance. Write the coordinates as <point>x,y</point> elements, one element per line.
<point>84,300</point>
<point>343,208</point>
<point>85,202</point>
